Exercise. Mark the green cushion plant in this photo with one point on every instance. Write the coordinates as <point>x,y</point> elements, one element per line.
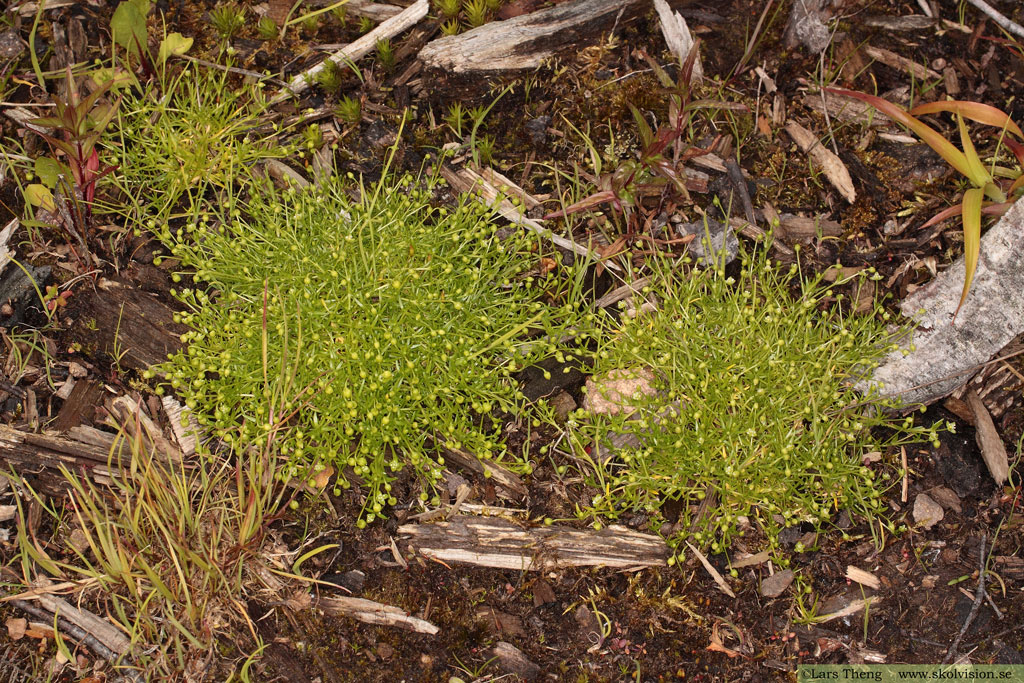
<point>366,334</point>
<point>750,401</point>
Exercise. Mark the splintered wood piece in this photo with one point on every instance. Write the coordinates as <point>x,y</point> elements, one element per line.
<point>992,449</point>
<point>5,237</point>
<point>370,612</point>
<point>128,415</point>
<point>101,455</point>
<point>678,37</point>
<point>508,484</point>
<point>895,61</point>
<point>862,577</point>
<point>719,581</point>
<point>468,181</point>
<point>502,544</point>
<point>185,432</point>
<point>358,49</point>
<point>79,406</point>
<point>525,42</point>
<point>829,164</point>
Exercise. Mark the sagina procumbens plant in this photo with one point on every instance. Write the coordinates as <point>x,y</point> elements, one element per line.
<point>748,403</point>
<point>365,335</point>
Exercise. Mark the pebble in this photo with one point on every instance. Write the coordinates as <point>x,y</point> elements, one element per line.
<point>927,512</point>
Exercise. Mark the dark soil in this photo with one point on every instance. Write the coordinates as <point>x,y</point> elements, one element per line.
<point>672,623</point>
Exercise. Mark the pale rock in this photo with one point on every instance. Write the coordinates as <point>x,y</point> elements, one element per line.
<point>927,512</point>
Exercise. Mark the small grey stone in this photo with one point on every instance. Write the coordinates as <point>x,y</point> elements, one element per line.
<point>777,583</point>
<point>10,44</point>
<point>709,242</point>
<point>927,512</point>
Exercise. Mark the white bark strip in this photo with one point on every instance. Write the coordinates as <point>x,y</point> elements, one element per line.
<point>397,24</point>
<point>523,42</point>
<point>946,353</point>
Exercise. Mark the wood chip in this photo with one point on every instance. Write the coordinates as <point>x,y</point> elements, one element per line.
<point>712,571</point>
<point>776,584</point>
<point>852,608</point>
<point>525,42</point>
<point>750,560</point>
<point>895,61</point>
<point>469,181</point>
<point>370,612</point>
<point>185,433</point>
<point>505,482</point>
<point>678,37</point>
<point>862,577</point>
<point>846,109</point>
<point>829,164</point>
<point>513,661</point>
<point>992,449</point>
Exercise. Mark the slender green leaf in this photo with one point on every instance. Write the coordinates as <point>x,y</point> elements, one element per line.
<point>975,111</point>
<point>979,175</point>
<point>931,137</point>
<point>972,238</point>
<point>311,553</point>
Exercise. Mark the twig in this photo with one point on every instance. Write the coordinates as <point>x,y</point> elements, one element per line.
<point>979,597</point>
<point>76,632</point>
<point>1004,22</point>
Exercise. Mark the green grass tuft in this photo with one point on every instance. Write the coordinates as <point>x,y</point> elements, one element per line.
<point>362,335</point>
<point>749,401</point>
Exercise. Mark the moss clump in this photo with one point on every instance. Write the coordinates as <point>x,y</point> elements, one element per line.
<point>749,400</point>
<point>368,335</point>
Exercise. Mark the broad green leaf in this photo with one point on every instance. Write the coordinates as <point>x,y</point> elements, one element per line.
<point>972,238</point>
<point>975,111</point>
<point>931,137</point>
<point>128,25</point>
<point>174,44</point>
<point>49,170</point>
<point>40,195</point>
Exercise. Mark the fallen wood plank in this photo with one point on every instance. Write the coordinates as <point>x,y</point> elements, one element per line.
<point>942,354</point>
<point>527,41</point>
<point>502,544</point>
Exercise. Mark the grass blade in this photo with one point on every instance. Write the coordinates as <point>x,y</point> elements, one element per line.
<point>928,135</point>
<point>972,239</point>
<point>975,111</point>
